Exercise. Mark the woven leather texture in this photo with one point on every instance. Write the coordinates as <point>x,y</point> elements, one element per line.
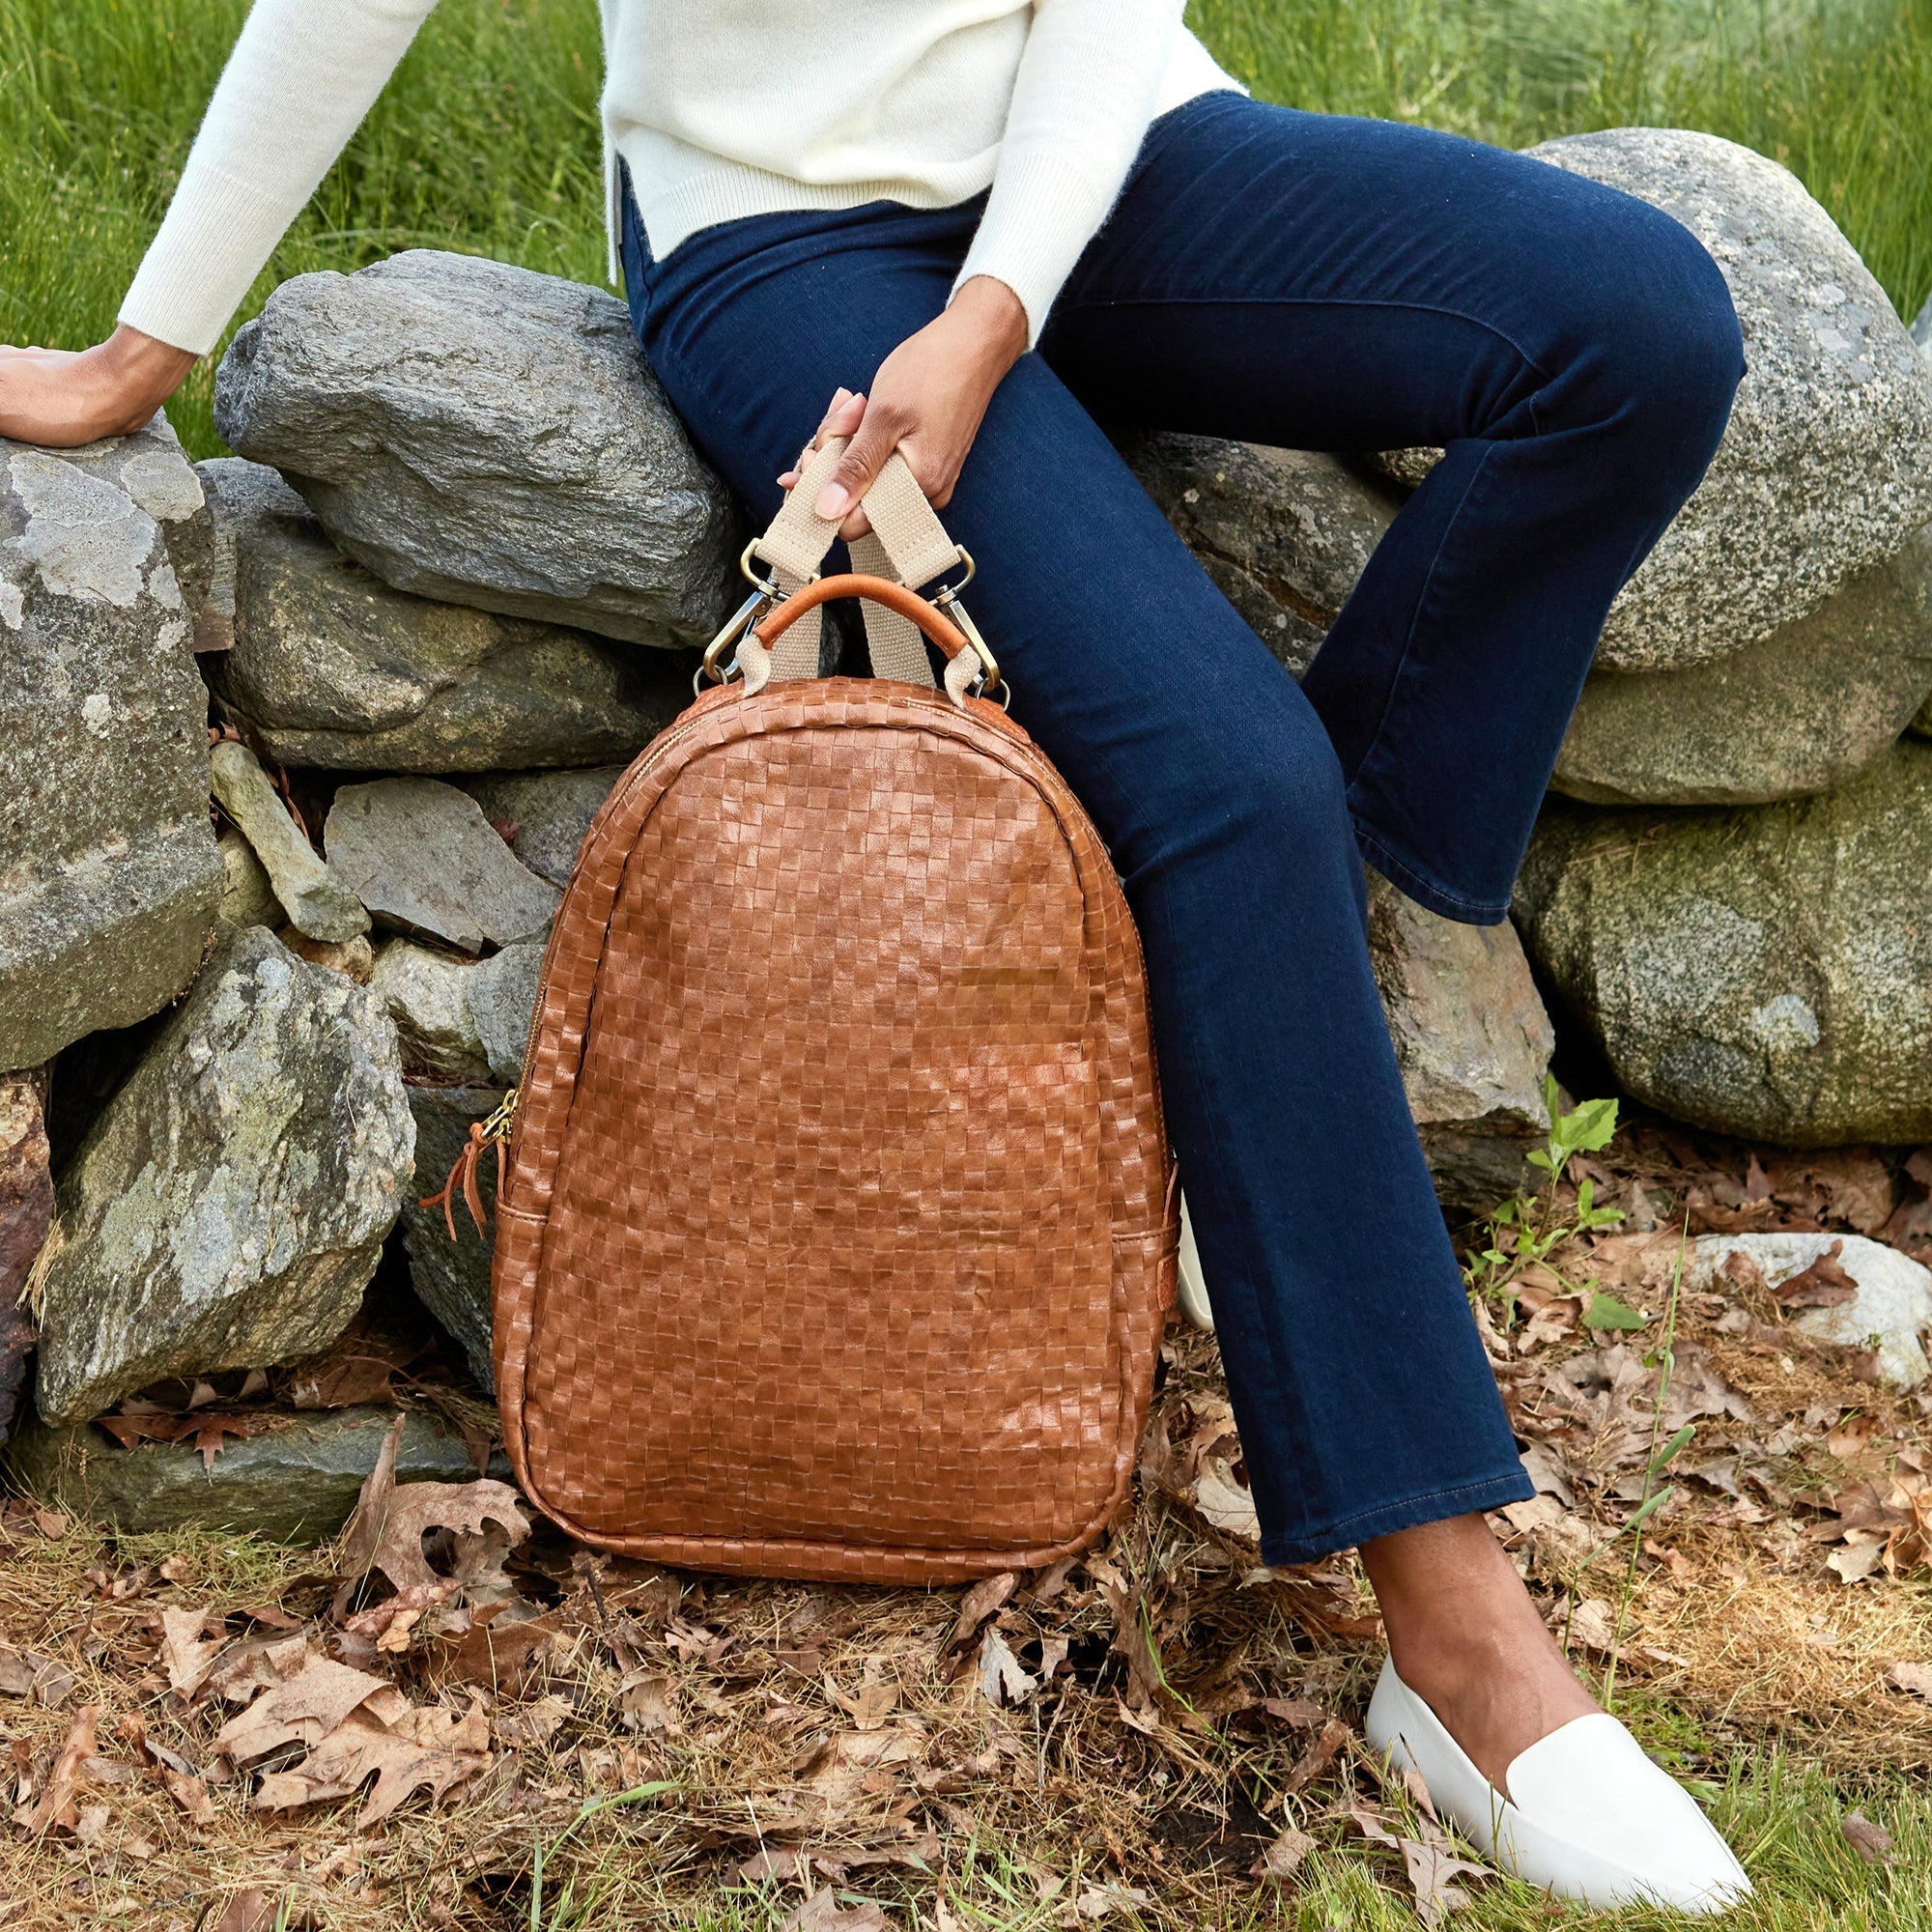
<point>840,1222</point>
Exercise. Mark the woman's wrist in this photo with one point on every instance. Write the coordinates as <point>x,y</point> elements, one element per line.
<point>136,374</point>
<point>996,318</point>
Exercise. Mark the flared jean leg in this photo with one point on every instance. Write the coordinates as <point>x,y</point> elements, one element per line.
<point>1235,802</point>
<point>1322,282</point>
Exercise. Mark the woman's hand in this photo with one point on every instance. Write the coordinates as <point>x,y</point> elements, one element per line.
<point>927,400</point>
<point>63,397</point>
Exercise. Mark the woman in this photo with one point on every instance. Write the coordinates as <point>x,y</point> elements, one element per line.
<point>975,231</point>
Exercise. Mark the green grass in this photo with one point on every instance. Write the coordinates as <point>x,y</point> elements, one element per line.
<point>487,138</point>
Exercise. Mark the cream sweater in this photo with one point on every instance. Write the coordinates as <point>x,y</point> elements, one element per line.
<point>721,108</point>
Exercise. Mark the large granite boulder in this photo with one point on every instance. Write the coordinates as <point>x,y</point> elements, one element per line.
<point>422,857</point>
<point>1765,971</point>
<point>480,434</point>
<point>1473,1040</point>
<point>293,1479</point>
<point>1283,532</point>
<point>1825,467</point>
<point>108,872</point>
<point>544,815</point>
<point>451,1278</point>
<point>332,667</point>
<point>1799,711</point>
<point>229,1205</point>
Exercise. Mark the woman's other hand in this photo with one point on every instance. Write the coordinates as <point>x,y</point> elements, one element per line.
<point>64,397</point>
<point>926,401</point>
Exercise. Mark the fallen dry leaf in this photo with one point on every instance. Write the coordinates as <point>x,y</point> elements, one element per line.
<point>1298,1712</point>
<point>25,1673</point>
<point>1002,1678</point>
<point>1318,1758</point>
<point>648,1700</point>
<point>1225,1503</point>
<point>247,1911</point>
<point>869,1706</point>
<point>990,1594</point>
<point>1824,1284</point>
<point>424,1749</point>
<point>186,1655</point>
<point>498,1654</point>
<point>1283,1856</point>
<point>386,1530</point>
<point>1914,1678</point>
<point>57,1805</point>
<point>1102,1901</point>
<point>1430,1868</point>
<point>822,1912</point>
<point>190,1793</point>
<point>1872,1842</point>
<point>312,1700</point>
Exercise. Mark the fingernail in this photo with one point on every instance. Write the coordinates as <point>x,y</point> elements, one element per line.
<point>833,501</point>
<point>841,396</point>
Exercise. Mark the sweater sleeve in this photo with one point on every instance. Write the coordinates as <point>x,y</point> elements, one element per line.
<point>1082,100</point>
<point>303,76</point>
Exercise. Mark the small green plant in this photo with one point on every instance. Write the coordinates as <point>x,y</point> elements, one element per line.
<point>1660,1456</point>
<point>567,1913</point>
<point>1528,1228</point>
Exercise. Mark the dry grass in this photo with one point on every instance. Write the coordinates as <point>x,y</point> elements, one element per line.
<point>1169,1707</point>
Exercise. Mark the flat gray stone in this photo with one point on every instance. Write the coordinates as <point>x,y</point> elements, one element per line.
<point>1825,467</point>
<point>1765,971</point>
<point>546,814</point>
<point>108,872</point>
<point>1799,711</point>
<point>228,1206</point>
<point>1473,1040</point>
<point>331,668</point>
<point>484,435</point>
<point>422,857</point>
<point>503,1001</point>
<point>294,1482</point>
<point>1283,532</point>
<point>317,901</point>
<point>451,1279</point>
<point>1894,1300</point>
<point>426,993</point>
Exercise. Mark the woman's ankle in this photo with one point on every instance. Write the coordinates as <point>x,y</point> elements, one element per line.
<point>1466,1639</point>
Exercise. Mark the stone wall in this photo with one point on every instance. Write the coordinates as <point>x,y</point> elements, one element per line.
<point>299,746</point>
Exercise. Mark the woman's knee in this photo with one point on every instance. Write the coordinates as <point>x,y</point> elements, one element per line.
<point>1260,778</point>
<point>1660,353</point>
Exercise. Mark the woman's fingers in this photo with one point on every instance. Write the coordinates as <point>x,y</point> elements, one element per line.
<point>876,437</point>
<point>841,417</point>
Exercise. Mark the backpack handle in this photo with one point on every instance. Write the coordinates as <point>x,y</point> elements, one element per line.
<point>970,667</point>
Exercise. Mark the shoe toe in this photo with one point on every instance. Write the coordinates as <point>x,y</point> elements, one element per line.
<point>1588,1785</point>
<point>1587,1815</point>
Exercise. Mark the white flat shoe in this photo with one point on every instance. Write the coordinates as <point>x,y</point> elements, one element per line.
<point>1587,1816</point>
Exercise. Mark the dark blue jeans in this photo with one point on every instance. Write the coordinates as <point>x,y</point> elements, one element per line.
<point>1313,282</point>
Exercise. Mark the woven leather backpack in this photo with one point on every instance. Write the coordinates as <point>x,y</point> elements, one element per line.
<point>839,1221</point>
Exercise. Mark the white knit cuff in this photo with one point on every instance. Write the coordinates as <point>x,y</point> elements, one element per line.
<point>215,239</point>
<point>1042,213</point>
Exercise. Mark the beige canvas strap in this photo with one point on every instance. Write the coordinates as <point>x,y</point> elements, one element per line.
<point>908,545</point>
